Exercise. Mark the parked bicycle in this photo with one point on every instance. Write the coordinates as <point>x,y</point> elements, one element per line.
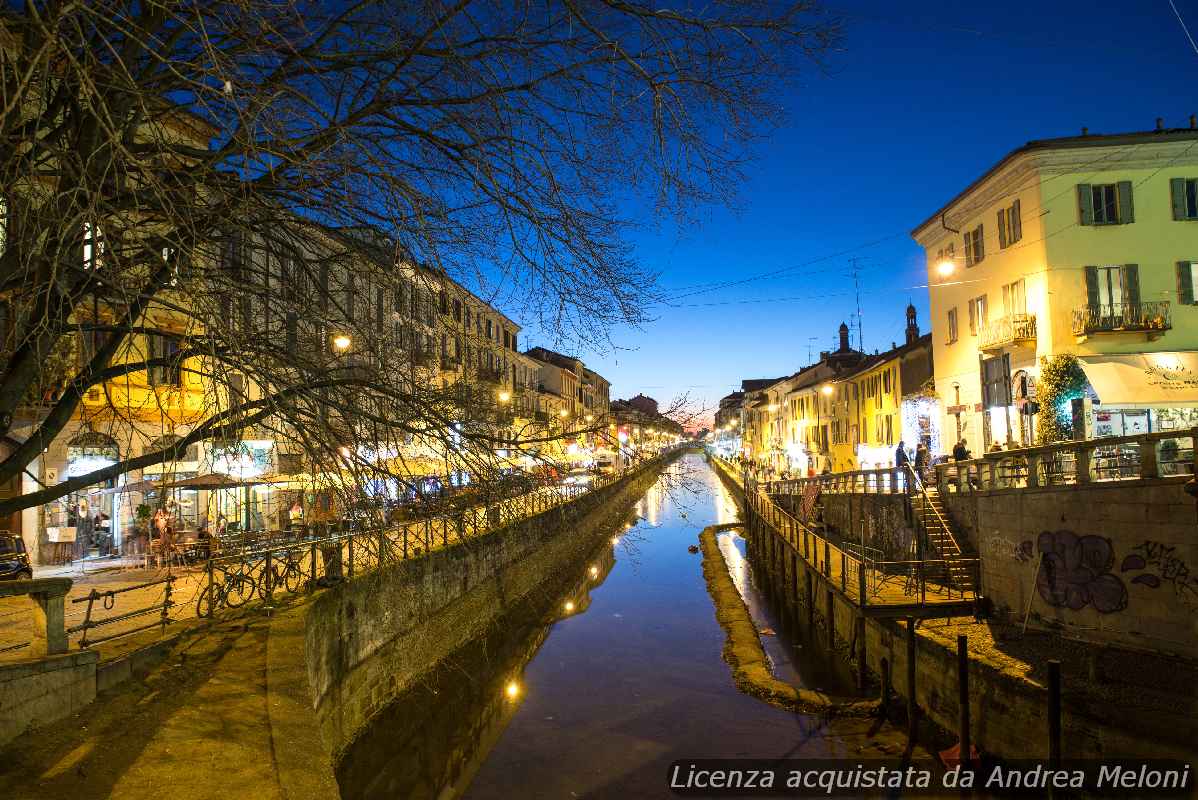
<point>233,589</point>
<point>286,570</point>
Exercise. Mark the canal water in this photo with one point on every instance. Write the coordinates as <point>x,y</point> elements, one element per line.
<point>622,678</point>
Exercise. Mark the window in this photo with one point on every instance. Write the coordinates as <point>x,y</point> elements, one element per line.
<point>1014,298</point>
<point>443,303</point>
<point>170,373</point>
<point>1185,197</point>
<point>490,331</point>
<point>975,249</point>
<point>514,347</point>
<point>457,310</point>
<point>1187,271</point>
<point>1108,287</point>
<point>977,314</point>
<point>467,317</point>
<point>1010,229</point>
<point>93,246</point>
<point>1105,203</point>
<point>380,308</point>
<point>351,290</point>
<point>400,298</point>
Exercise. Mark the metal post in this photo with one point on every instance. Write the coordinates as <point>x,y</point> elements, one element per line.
<point>1054,713</point>
<point>844,572</point>
<point>266,577</point>
<point>211,591</point>
<point>912,708</point>
<point>312,552</point>
<point>166,604</point>
<point>963,698</point>
<point>350,558</point>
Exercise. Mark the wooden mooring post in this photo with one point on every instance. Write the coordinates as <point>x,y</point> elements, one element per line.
<point>912,708</point>
<point>963,697</point>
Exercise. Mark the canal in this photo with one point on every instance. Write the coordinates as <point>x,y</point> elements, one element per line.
<point>594,692</point>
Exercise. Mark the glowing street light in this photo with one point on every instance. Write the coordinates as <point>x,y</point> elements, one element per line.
<point>827,390</point>
<point>512,690</point>
<point>563,413</point>
<point>505,397</point>
<point>342,341</point>
<point>946,268</point>
<point>569,606</point>
<point>589,418</point>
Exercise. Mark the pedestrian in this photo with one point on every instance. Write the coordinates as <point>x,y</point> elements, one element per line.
<point>900,455</point>
<point>996,447</point>
<point>921,459</point>
<point>960,451</point>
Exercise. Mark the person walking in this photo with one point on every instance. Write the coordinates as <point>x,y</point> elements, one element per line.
<point>901,459</point>
<point>921,460</point>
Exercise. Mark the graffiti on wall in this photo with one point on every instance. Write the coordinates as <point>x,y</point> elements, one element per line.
<point>1075,572</point>
<point>1009,548</point>
<point>1157,564</point>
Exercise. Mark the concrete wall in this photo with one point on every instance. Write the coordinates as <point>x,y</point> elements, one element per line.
<point>1107,563</point>
<point>367,640</point>
<point>39,692</point>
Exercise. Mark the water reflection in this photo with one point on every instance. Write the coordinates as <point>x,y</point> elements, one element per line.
<point>607,694</point>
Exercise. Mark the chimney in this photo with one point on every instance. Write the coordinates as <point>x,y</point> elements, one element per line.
<point>823,355</point>
<point>844,338</point>
<point>1160,123</point>
<point>1193,122</point>
<point>1085,131</point>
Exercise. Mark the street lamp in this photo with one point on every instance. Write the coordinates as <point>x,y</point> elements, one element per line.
<point>946,267</point>
<point>505,397</point>
<point>342,341</point>
<point>589,418</point>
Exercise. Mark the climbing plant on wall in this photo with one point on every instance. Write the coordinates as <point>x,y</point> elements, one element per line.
<point>1061,381</point>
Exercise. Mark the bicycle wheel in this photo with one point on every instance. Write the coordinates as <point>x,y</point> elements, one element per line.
<point>293,578</point>
<point>204,605</point>
<point>240,589</point>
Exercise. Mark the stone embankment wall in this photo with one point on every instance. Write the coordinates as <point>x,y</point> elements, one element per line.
<point>1008,705</point>
<point>367,640</point>
<point>42,691</point>
<point>1103,562</point>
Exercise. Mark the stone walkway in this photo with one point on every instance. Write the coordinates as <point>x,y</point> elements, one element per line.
<point>200,725</point>
<point>17,619</point>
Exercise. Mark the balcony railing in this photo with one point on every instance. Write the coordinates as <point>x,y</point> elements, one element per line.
<point>1118,317</point>
<point>1011,329</point>
<point>489,375</point>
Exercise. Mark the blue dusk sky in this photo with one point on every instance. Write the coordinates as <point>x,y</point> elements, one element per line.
<point>922,99</point>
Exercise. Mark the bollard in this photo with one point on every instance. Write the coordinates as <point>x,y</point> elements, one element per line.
<point>963,697</point>
<point>1054,713</point>
<point>912,709</point>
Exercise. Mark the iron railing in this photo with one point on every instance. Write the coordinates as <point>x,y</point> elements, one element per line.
<point>1011,329</point>
<point>1116,317</point>
<point>107,600</point>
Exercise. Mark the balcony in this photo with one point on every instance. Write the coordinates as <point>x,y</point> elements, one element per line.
<point>1013,329</point>
<point>489,375</point>
<point>1122,317</point>
<point>450,363</point>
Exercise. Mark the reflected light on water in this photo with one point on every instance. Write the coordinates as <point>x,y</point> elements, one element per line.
<point>738,566</point>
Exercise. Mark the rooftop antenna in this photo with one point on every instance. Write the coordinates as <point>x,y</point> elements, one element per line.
<point>857,291</point>
<point>810,339</point>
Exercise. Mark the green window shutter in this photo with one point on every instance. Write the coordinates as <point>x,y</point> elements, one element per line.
<point>1016,223</point>
<point>1185,283</point>
<point>1131,284</point>
<point>1085,203</point>
<point>1002,229</point>
<point>1177,189</point>
<point>1127,212</point>
<point>1092,287</point>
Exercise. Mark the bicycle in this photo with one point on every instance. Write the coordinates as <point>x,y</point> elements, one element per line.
<point>233,590</point>
<point>284,571</point>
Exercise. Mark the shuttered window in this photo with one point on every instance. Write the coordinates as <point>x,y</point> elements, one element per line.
<point>1108,287</point>
<point>1105,203</point>
<point>1010,229</point>
<point>1184,192</point>
<point>952,325</point>
<point>977,314</point>
<point>1187,276</point>
<point>975,249</point>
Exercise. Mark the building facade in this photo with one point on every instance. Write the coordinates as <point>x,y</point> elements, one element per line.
<point>1083,245</point>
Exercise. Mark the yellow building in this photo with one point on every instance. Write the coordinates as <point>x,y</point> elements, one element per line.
<point>1085,245</point>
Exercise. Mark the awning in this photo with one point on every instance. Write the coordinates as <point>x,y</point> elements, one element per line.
<point>129,488</point>
<point>1143,378</point>
<point>212,480</point>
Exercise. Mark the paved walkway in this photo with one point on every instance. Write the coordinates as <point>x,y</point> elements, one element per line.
<point>198,726</point>
<point>17,619</point>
